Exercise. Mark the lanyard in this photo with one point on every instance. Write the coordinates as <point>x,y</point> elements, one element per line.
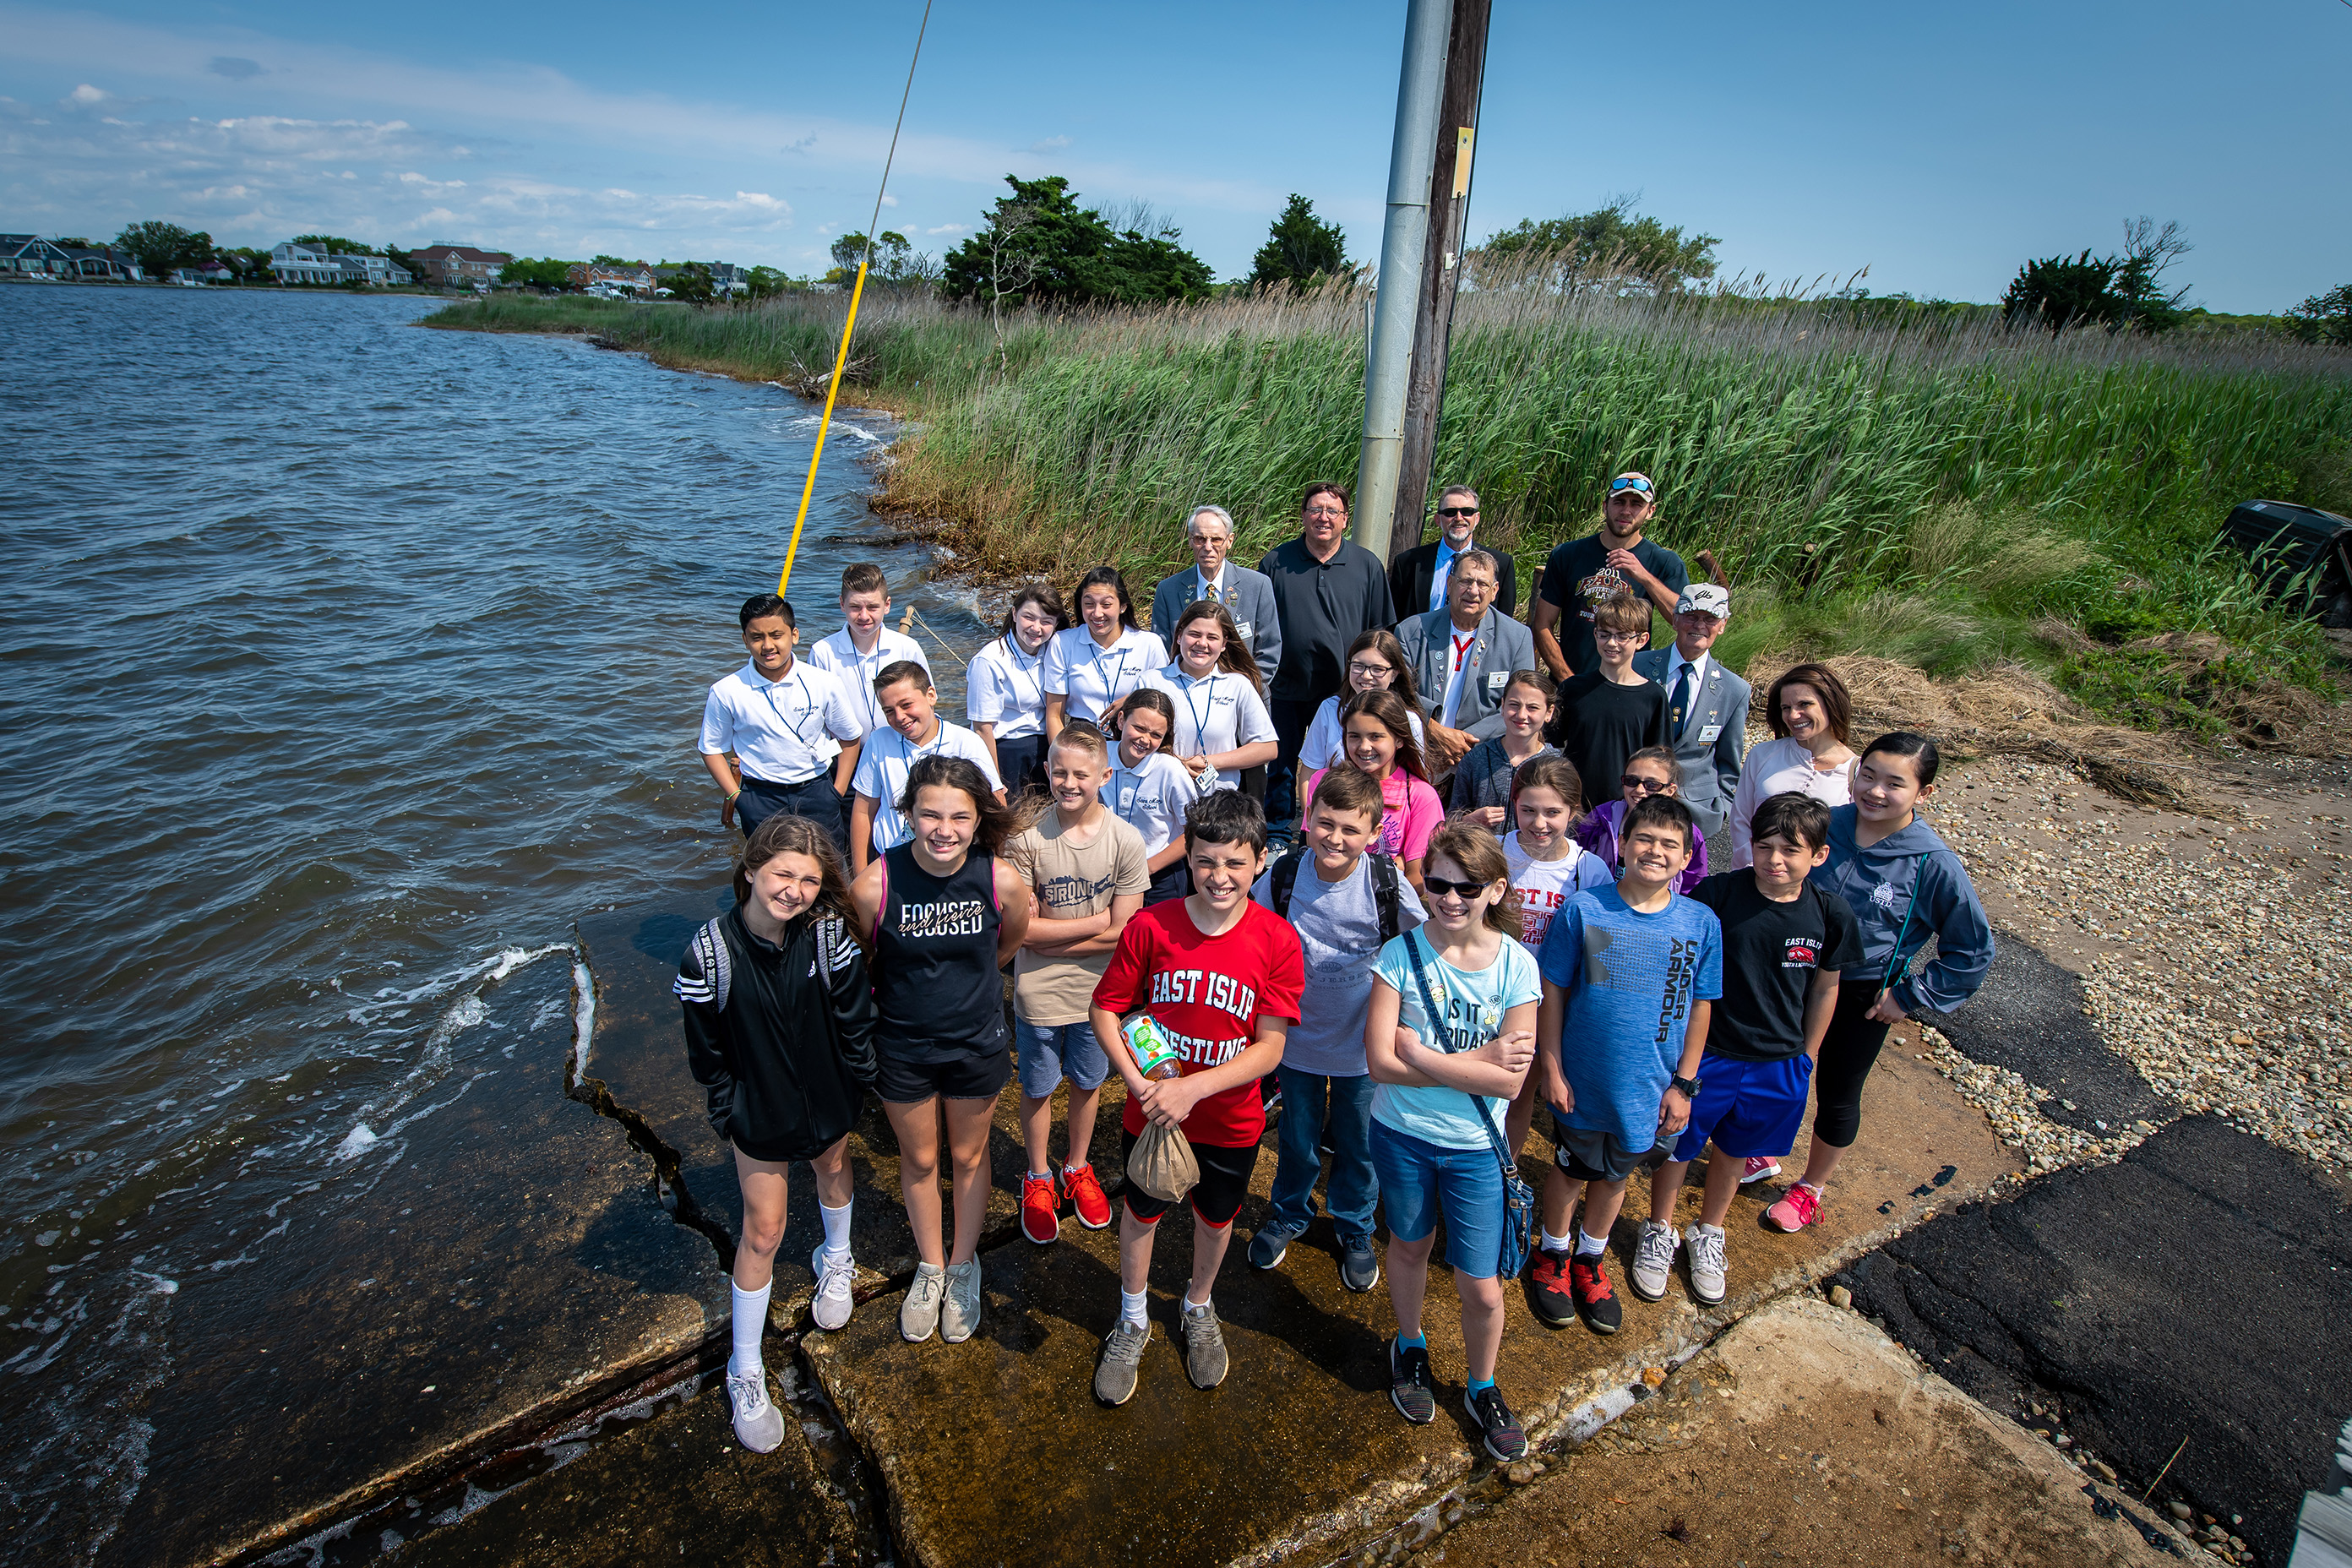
<point>808,706</point>
<point>1462,647</point>
<point>1185,686</point>
<point>1119,666</point>
<point>1015,670</point>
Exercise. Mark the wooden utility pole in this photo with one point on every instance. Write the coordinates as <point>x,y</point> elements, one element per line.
<point>1440,274</point>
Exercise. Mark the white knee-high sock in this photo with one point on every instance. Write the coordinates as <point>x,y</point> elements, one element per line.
<point>751,1322</point>
<point>836,1225</point>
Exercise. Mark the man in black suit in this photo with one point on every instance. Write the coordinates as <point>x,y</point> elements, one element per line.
<point>1417,581</point>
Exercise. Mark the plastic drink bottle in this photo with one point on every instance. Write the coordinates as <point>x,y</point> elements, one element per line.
<point>1153,1054</point>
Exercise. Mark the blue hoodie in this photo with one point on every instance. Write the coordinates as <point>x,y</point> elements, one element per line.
<point>1878,882</point>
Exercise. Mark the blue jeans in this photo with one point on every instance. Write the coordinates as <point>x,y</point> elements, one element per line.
<point>1313,1105</point>
<point>1419,1180</point>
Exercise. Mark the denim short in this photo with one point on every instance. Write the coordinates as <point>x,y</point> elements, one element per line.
<point>1418,1180</point>
<point>1747,1107</point>
<point>1052,1052</point>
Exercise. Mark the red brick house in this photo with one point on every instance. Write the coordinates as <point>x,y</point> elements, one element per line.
<point>459,266</point>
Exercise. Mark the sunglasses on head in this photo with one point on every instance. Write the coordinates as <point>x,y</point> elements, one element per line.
<point>1457,512</point>
<point>1648,787</point>
<point>1439,887</point>
<point>1629,482</point>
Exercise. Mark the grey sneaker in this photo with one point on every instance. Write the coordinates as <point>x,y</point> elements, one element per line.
<point>1654,1260</point>
<point>834,1278</point>
<point>1272,1244</point>
<point>758,1425</point>
<point>1706,1261</point>
<point>1360,1265</point>
<point>1204,1346</point>
<point>1122,1353</point>
<point>961,1314</point>
<point>921,1314</point>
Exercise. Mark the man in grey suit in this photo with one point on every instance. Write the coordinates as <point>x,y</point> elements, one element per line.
<point>1462,657</point>
<point>1247,595</point>
<point>1706,705</point>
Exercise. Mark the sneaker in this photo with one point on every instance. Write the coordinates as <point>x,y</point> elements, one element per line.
<point>758,1425</point>
<point>960,1314</point>
<point>1087,1196</point>
<point>1760,1167</point>
<point>1272,1243</point>
<point>835,1275</point>
<point>1654,1260</point>
<point>1504,1437</point>
<point>1360,1265</point>
<point>1706,1260</point>
<point>1041,1210</point>
<point>1122,1354</point>
<point>1800,1206</point>
<point>1596,1300</point>
<point>919,1317</point>
<point>1548,1289</point>
<point>1204,1346</point>
<point>1409,1388</point>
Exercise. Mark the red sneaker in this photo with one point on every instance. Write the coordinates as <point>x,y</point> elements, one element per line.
<point>1800,1207</point>
<point>1760,1167</point>
<point>1548,1289</point>
<point>1596,1300</point>
<point>1041,1210</point>
<point>1087,1196</point>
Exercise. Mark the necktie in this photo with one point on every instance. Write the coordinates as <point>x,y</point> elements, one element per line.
<point>1678,708</point>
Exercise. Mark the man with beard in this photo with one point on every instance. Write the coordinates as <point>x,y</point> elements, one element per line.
<point>1616,562</point>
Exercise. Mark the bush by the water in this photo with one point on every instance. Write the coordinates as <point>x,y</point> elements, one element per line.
<point>1946,491</point>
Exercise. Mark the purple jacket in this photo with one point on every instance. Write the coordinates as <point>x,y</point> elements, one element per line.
<point>1598,833</point>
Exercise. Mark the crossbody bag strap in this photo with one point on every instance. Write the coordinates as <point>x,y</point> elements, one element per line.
<point>1430,1014</point>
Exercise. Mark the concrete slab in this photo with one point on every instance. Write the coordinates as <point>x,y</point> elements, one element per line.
<point>1300,1446</point>
<point>496,1254</point>
<point>1803,1435</point>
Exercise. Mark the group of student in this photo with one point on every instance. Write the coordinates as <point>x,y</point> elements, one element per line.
<point>1485,905</point>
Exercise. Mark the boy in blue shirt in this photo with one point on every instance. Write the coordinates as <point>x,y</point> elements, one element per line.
<point>1631,973</point>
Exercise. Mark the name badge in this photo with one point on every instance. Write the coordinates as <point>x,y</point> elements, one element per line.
<point>1242,628</point>
<point>1497,680</point>
<point>1707,732</point>
<point>1127,800</point>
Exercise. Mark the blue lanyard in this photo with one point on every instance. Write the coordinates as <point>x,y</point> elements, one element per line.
<point>1015,671</point>
<point>808,706</point>
<point>1117,670</point>
<point>1184,690</point>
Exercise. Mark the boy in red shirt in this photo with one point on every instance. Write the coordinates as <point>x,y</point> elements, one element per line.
<point>1221,977</point>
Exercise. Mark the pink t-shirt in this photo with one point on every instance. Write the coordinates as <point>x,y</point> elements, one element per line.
<point>1410,813</point>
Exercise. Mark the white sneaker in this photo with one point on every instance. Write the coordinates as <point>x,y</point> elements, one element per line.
<point>961,1313</point>
<point>1654,1260</point>
<point>834,1277</point>
<point>1705,1257</point>
<point>758,1425</point>
<point>919,1318</point>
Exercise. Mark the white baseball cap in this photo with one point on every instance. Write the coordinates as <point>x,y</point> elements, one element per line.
<point>1704,599</point>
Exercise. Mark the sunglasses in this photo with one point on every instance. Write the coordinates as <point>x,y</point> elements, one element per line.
<point>1439,887</point>
<point>1636,781</point>
<point>1629,482</point>
<point>1457,512</point>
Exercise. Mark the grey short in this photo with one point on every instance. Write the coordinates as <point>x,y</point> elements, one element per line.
<point>1588,1156</point>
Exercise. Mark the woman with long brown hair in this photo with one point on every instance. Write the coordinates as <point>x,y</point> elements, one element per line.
<point>1222,725</point>
<point>1811,752</point>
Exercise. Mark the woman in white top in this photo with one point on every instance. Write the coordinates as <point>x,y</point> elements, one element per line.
<point>1376,662</point>
<point>1221,722</point>
<point>1090,666</point>
<point>1811,717</point>
<point>1004,688</point>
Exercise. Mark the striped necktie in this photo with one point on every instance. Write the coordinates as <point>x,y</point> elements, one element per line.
<point>1678,706</point>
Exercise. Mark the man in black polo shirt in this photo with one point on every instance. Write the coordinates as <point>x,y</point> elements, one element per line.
<point>1326,592</point>
<point>1615,562</point>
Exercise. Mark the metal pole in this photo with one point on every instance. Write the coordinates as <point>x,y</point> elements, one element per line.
<point>1403,239</point>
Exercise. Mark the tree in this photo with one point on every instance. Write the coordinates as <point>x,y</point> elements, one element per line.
<point>2147,251</point>
<point>403,261</point>
<point>546,272</point>
<point>1300,249</point>
<point>2324,318</point>
<point>1611,247</point>
<point>2057,292</point>
<point>160,248</point>
<point>691,281</point>
<point>1008,237</point>
<point>766,282</point>
<point>615,262</point>
<point>249,263</point>
<point>334,245</point>
<point>1074,256</point>
<point>891,258</point>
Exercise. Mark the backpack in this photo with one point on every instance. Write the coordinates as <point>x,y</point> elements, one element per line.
<point>708,944</point>
<point>1387,887</point>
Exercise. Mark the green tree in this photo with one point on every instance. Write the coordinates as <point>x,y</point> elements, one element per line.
<point>249,263</point>
<point>691,281</point>
<point>613,262</point>
<point>1070,255</point>
<point>766,283</point>
<point>1611,247</point>
<point>2324,318</point>
<point>335,245</point>
<point>546,272</point>
<point>2059,291</point>
<point>403,261</point>
<point>892,258</point>
<point>159,247</point>
<point>1300,249</point>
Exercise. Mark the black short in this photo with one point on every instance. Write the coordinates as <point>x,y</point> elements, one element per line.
<point>976,1077</point>
<point>1225,1182</point>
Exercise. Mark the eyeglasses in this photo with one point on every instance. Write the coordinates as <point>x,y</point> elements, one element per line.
<point>1326,511</point>
<point>1372,671</point>
<point>1636,781</point>
<point>1439,887</point>
<point>1474,584</point>
<point>1629,482</point>
<point>1457,512</point>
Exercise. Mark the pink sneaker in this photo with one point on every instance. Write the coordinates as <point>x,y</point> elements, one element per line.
<point>1759,1168</point>
<point>1800,1207</point>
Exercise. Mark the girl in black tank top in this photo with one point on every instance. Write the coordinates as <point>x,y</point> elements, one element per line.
<point>946,915</point>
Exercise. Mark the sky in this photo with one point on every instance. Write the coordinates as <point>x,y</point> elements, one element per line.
<point>1936,148</point>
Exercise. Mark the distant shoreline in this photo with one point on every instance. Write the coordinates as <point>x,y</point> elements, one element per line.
<point>30,279</point>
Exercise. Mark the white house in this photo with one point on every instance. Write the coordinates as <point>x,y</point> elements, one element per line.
<point>296,263</point>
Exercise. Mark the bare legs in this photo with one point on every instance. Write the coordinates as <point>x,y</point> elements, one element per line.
<point>917,1130</point>
<point>763,1186</point>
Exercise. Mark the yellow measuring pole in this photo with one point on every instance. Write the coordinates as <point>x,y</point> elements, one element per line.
<point>840,360</point>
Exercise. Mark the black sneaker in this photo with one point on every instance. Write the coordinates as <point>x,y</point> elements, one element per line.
<point>1497,1425</point>
<point>1596,1300</point>
<point>1548,1289</point>
<point>1409,1383</point>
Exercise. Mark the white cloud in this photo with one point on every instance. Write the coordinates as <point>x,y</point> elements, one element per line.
<point>86,94</point>
<point>948,228</point>
<point>890,201</point>
<point>1050,144</point>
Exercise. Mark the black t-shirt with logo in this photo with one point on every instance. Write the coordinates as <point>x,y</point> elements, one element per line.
<point>1576,576</point>
<point>1771,953</point>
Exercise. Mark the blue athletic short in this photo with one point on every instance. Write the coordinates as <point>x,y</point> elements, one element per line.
<point>1418,1180</point>
<point>1747,1107</point>
<point>1050,1052</point>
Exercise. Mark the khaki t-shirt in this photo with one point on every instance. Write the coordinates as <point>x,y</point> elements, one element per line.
<point>1071,883</point>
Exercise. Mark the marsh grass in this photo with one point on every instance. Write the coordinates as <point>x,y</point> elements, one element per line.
<point>1933,490</point>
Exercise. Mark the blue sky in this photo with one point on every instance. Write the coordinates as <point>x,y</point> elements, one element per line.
<point>1937,147</point>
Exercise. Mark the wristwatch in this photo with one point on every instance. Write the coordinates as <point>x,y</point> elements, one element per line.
<point>1689,1086</point>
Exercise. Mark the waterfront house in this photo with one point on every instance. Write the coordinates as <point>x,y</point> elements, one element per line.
<point>459,266</point>
<point>611,281</point>
<point>103,261</point>
<point>205,272</point>
<point>30,254</point>
<point>296,263</point>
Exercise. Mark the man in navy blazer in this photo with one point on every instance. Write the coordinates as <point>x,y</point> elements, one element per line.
<point>1417,580</point>
<point>1462,657</point>
<point>1247,595</point>
<point>1706,705</point>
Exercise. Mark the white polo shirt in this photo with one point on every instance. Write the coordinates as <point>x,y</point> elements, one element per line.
<point>856,670</point>
<point>1220,713</point>
<point>1093,677</point>
<point>1006,687</point>
<point>785,731</point>
<point>1151,798</point>
<point>889,756</point>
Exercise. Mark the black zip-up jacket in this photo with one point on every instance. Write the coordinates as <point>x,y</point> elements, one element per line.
<point>785,1063</point>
